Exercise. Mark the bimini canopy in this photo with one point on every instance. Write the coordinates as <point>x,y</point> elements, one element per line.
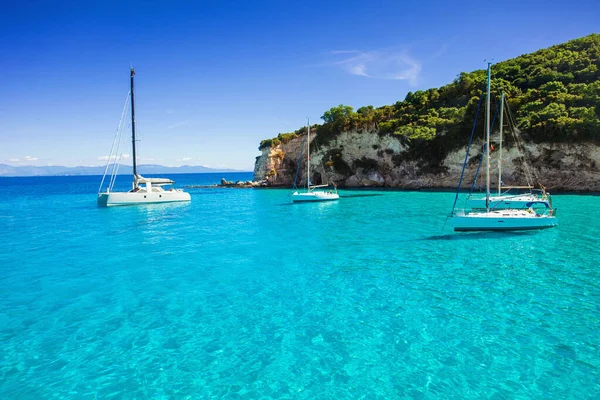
<point>154,181</point>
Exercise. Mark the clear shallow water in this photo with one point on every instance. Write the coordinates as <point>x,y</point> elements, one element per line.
<point>241,294</point>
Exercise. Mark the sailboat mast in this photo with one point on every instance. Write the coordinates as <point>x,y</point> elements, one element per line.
<point>487,136</point>
<point>133,125</point>
<point>500,149</point>
<point>308,155</point>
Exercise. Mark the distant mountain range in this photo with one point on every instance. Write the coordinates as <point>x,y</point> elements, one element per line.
<point>30,170</point>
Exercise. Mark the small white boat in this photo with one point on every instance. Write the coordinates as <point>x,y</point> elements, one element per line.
<point>489,219</point>
<point>316,195</point>
<point>144,190</point>
<point>312,195</point>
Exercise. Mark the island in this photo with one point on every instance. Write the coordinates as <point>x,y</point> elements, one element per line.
<point>553,96</point>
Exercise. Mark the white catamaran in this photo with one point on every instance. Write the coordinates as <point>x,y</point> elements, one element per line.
<point>499,220</point>
<point>312,195</point>
<point>144,190</point>
<point>508,199</point>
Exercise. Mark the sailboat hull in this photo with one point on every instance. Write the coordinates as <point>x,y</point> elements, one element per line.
<point>511,220</point>
<point>310,197</point>
<point>137,198</point>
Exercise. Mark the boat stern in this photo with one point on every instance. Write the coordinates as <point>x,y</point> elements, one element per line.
<point>103,199</point>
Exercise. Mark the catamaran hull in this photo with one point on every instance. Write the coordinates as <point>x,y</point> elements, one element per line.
<point>314,197</point>
<point>137,198</point>
<point>463,223</point>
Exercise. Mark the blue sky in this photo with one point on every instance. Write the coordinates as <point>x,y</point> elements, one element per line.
<point>214,78</point>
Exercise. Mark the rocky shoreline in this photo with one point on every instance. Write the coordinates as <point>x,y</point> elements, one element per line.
<point>244,184</point>
<point>371,160</point>
<point>237,184</point>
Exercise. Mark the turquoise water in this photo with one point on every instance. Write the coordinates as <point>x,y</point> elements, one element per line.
<point>240,294</point>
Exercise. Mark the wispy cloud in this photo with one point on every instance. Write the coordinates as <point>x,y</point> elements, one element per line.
<point>177,124</point>
<point>440,52</point>
<point>378,64</point>
<point>113,158</point>
<point>24,159</point>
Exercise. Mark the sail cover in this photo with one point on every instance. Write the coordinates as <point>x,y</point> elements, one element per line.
<point>154,181</point>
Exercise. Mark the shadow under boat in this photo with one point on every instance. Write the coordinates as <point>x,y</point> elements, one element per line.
<point>347,196</point>
<point>342,196</point>
<point>478,235</point>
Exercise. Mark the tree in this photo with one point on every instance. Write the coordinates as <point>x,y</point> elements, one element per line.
<point>366,112</point>
<point>340,113</point>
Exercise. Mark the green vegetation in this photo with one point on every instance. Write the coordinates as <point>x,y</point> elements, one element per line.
<point>554,94</point>
<point>284,138</point>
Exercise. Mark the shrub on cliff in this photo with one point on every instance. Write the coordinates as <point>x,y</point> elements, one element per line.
<point>264,144</point>
<point>283,138</point>
<point>554,94</point>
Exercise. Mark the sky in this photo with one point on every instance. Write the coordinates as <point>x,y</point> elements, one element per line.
<point>214,78</point>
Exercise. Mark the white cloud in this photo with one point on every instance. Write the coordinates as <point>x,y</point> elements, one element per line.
<point>379,64</point>
<point>25,159</point>
<point>113,158</point>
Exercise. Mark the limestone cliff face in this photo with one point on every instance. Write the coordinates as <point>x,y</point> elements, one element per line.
<point>278,164</point>
<point>359,159</point>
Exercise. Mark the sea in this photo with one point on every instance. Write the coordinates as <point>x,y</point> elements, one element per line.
<point>241,294</point>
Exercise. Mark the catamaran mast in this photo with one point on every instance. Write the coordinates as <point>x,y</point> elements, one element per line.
<point>308,156</point>
<point>500,149</point>
<point>133,125</point>
<point>487,146</point>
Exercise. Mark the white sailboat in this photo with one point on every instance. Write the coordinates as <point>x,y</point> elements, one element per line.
<point>499,220</point>
<point>312,195</point>
<point>144,190</point>
<point>535,198</point>
<point>502,220</point>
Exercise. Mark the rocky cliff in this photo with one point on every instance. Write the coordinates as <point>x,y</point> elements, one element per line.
<point>552,95</point>
<point>363,159</point>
